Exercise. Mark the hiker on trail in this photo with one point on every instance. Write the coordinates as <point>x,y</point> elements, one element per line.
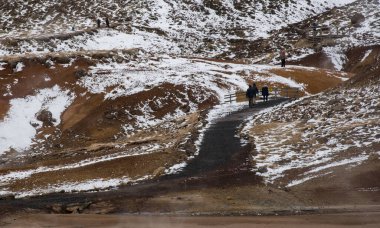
<point>250,94</point>
<point>283,57</point>
<point>98,22</point>
<point>255,91</point>
<point>265,93</point>
<point>107,22</point>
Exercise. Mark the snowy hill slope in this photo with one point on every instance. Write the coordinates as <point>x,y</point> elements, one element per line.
<point>191,26</point>
<point>313,137</point>
<point>134,95</point>
<point>118,117</point>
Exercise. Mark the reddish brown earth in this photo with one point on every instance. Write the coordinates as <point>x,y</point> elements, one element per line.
<point>226,192</point>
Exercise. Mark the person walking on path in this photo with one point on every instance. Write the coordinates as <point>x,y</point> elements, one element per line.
<point>107,22</point>
<point>283,57</point>
<point>265,92</point>
<point>255,91</point>
<point>249,94</point>
<point>98,22</point>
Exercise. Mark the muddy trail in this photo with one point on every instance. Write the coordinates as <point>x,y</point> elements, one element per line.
<point>221,162</point>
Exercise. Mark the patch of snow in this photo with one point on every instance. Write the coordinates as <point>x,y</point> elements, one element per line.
<point>16,131</point>
<point>338,58</point>
<point>19,67</point>
<point>176,168</point>
<point>88,185</point>
<point>366,55</point>
<point>140,150</point>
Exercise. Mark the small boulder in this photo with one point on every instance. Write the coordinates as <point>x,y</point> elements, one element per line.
<point>56,208</point>
<point>76,208</point>
<point>99,208</point>
<point>185,108</point>
<point>46,117</point>
<point>357,19</point>
<point>80,73</point>
<point>263,169</point>
<point>73,209</point>
<point>338,108</point>
<point>159,171</point>
<point>62,59</point>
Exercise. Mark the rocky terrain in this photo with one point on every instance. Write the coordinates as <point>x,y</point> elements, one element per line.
<point>86,109</point>
<point>310,137</point>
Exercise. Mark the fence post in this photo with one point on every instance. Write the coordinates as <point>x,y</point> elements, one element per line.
<point>230,98</point>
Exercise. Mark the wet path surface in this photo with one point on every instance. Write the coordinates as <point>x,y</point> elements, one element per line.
<point>221,149</point>
<point>222,161</point>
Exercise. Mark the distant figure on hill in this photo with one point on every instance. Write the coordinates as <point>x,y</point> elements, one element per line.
<point>265,92</point>
<point>98,22</point>
<point>283,57</point>
<point>107,22</point>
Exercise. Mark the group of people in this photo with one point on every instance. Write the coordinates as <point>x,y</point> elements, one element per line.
<point>98,22</point>
<point>252,92</point>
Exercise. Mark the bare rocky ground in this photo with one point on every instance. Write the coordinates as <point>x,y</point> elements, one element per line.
<point>88,142</point>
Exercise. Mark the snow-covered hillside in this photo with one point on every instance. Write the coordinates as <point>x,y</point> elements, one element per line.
<point>146,107</point>
<point>134,100</point>
<point>310,137</point>
<point>178,27</point>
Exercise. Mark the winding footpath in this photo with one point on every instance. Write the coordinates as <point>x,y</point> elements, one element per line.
<point>221,149</point>
<point>221,160</point>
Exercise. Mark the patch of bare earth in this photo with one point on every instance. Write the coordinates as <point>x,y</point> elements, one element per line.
<point>316,80</point>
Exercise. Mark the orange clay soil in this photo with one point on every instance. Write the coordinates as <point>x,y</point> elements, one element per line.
<point>316,80</point>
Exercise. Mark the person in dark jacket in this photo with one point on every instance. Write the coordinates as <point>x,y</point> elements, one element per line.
<point>107,22</point>
<point>265,92</point>
<point>256,91</point>
<point>250,94</point>
<point>283,57</point>
<point>98,22</point>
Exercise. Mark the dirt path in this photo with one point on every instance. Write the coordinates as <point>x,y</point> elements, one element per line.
<point>147,221</point>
